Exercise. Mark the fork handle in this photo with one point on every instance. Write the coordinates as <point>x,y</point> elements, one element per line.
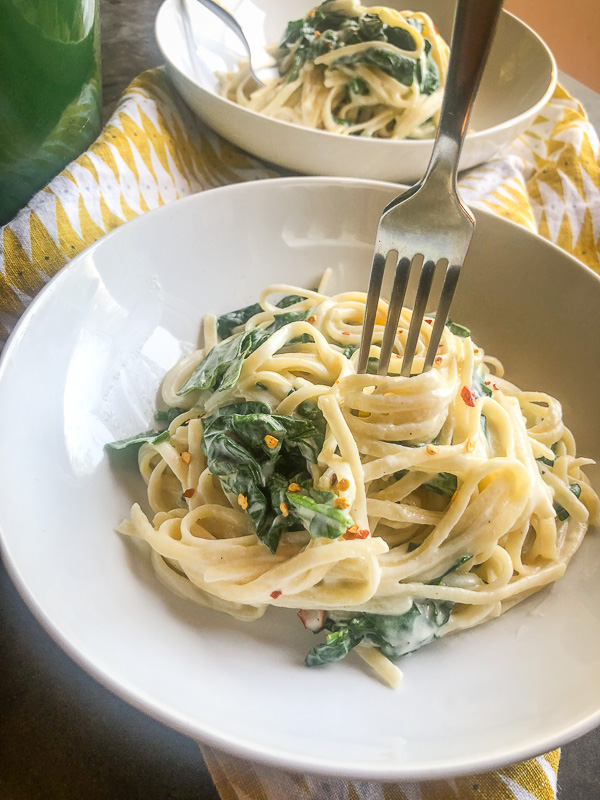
<point>229,20</point>
<point>474,27</point>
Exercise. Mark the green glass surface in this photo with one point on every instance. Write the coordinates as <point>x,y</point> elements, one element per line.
<point>50,100</point>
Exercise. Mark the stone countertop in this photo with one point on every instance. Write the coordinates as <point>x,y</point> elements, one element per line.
<point>63,736</point>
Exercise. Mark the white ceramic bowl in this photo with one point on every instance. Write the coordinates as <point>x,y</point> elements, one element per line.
<point>519,79</point>
<point>83,368</point>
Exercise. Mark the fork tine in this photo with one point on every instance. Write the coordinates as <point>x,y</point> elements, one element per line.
<point>441,316</point>
<point>393,315</point>
<point>375,282</point>
<point>423,290</point>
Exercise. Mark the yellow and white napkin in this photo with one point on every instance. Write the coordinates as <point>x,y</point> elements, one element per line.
<point>154,151</point>
<point>237,779</point>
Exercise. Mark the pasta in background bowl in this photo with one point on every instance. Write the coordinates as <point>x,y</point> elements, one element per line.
<point>98,342</point>
<point>519,79</point>
<point>353,71</point>
<point>390,511</point>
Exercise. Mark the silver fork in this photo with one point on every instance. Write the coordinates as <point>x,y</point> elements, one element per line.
<point>232,23</point>
<point>427,227</point>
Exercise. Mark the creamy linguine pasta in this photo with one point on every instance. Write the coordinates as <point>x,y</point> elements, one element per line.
<point>389,511</point>
<point>353,70</point>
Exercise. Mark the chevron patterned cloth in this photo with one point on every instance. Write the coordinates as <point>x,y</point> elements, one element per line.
<point>154,151</point>
<point>236,779</point>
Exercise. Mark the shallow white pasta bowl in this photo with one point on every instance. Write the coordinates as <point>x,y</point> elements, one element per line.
<point>518,81</point>
<point>83,368</point>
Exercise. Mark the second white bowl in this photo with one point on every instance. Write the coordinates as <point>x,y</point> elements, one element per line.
<point>518,81</point>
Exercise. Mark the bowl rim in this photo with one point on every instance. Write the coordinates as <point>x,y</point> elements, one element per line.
<point>167,6</point>
<point>237,745</point>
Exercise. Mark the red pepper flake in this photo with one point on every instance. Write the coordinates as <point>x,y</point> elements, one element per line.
<point>283,507</point>
<point>277,593</point>
<point>487,383</point>
<point>354,532</point>
<point>312,319</point>
<point>341,502</point>
<point>294,488</point>
<point>333,479</point>
<point>343,484</point>
<point>243,501</point>
<point>495,387</point>
<point>271,442</point>
<point>439,360</point>
<point>468,395</point>
<point>189,493</point>
<point>345,333</point>
<point>476,350</point>
<point>429,321</point>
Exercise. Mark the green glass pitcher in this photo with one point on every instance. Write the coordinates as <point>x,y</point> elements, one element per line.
<point>50,92</point>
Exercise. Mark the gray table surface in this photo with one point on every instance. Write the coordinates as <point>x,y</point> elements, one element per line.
<point>62,735</point>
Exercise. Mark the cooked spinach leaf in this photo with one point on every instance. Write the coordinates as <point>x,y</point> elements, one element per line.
<point>227,322</point>
<point>358,86</point>
<point>546,461</point>
<point>286,318</point>
<point>483,424</point>
<point>428,77</point>
<point>311,411</point>
<point>401,38</point>
<point>290,300</point>
<point>478,384</point>
<point>444,483</point>
<point>312,36</point>
<point>221,368</point>
<point>169,415</point>
<point>561,512</point>
<point>339,121</point>
<point>349,350</point>
<point>458,330</point>
<point>397,66</point>
<point>319,519</point>
<point>305,338</point>
<point>243,407</point>
<point>259,455</point>
<point>155,437</point>
<point>453,568</point>
<point>372,365</point>
<point>336,646</point>
<point>395,636</point>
